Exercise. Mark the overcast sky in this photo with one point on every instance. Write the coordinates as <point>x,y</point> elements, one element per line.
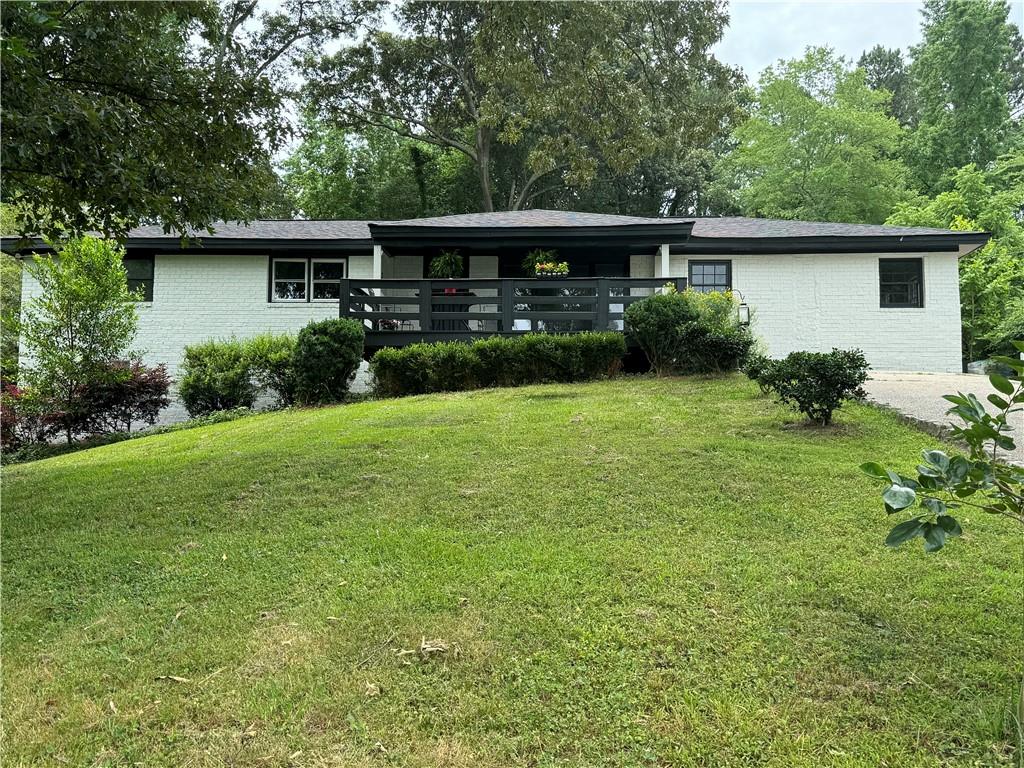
<point>760,33</point>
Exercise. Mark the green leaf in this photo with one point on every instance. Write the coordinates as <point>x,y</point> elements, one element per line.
<point>934,537</point>
<point>936,459</point>
<point>874,470</point>
<point>959,468</point>
<point>950,525</point>
<point>1019,345</point>
<point>1001,383</point>
<point>935,506</point>
<point>998,402</point>
<point>899,496</point>
<point>904,532</point>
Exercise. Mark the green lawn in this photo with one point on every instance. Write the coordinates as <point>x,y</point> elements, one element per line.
<point>640,572</point>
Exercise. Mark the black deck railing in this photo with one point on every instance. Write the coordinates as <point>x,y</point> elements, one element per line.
<point>397,312</point>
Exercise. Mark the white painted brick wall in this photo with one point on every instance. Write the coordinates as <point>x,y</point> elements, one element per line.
<point>819,301</point>
<point>209,296</point>
<point>812,302</point>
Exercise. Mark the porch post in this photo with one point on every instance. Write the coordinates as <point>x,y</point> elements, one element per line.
<point>662,264</point>
<point>378,262</point>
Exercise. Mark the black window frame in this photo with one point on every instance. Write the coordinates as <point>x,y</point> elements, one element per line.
<point>308,259</point>
<point>145,283</point>
<point>911,303</point>
<point>691,263</point>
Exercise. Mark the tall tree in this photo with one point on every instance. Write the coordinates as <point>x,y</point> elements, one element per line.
<point>886,70</point>
<point>536,95</point>
<point>335,173</point>
<point>968,80</point>
<point>120,112</point>
<point>991,278</point>
<point>818,145</point>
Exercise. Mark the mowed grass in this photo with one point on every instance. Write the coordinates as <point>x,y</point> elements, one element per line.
<point>628,573</point>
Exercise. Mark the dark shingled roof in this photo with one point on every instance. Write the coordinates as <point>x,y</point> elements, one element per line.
<point>327,233</point>
<point>716,227</point>
<point>530,218</point>
<point>269,229</point>
<point>738,226</point>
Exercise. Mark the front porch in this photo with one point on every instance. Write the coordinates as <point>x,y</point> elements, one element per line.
<point>399,312</point>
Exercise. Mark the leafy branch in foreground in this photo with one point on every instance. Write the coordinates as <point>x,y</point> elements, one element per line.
<point>981,479</point>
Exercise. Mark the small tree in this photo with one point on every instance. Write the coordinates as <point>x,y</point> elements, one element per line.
<point>981,479</point>
<point>82,320</point>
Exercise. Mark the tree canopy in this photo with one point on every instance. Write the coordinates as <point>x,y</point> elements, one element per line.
<point>818,145</point>
<point>885,69</point>
<point>536,95</point>
<point>991,278</point>
<point>116,113</point>
<point>336,173</point>
<point>968,83</point>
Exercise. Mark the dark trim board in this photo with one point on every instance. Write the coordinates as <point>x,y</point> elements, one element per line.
<point>874,244</point>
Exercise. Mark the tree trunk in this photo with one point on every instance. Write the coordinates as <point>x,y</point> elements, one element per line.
<point>483,166</point>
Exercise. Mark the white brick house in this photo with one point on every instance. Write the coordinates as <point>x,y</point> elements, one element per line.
<point>891,291</point>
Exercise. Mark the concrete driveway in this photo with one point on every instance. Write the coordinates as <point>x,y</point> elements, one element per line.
<point>919,396</point>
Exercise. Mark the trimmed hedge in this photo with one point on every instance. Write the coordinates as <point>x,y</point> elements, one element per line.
<point>326,357</point>
<point>316,367</point>
<point>216,377</point>
<point>500,361</point>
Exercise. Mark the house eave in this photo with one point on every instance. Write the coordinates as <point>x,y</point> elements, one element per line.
<point>834,244</point>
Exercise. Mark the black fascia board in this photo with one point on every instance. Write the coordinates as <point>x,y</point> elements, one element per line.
<point>834,244</point>
<point>631,234</point>
<point>216,245</point>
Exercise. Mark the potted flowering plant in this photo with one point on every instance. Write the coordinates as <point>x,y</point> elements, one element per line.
<point>551,269</point>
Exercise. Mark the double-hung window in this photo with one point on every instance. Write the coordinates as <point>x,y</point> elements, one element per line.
<point>708,276</point>
<point>305,279</point>
<point>140,276</point>
<point>900,283</point>
<point>289,279</point>
<point>325,276</point>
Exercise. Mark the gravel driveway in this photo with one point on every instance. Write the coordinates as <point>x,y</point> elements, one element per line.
<point>919,396</point>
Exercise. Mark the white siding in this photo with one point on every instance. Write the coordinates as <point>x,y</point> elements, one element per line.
<point>820,301</point>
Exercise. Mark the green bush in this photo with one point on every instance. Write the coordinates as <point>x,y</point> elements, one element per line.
<point>817,383</point>
<point>689,332</point>
<point>757,368</point>
<point>654,324</point>
<point>496,362</point>
<point>270,365</point>
<point>216,376</point>
<point>327,356</point>
<point>704,348</point>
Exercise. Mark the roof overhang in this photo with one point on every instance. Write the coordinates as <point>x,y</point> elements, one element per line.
<point>213,245</point>
<point>836,244</point>
<point>631,235</point>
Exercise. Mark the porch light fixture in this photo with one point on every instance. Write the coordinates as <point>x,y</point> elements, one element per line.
<point>743,310</point>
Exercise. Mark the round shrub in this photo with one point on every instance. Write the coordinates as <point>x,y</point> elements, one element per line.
<point>654,324</point>
<point>216,377</point>
<point>818,383</point>
<point>327,356</point>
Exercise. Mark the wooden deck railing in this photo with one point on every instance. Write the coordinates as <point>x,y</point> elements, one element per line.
<point>397,312</point>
